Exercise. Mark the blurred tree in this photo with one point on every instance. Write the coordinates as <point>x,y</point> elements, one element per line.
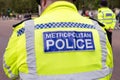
<point>23,6</point>
<point>19,6</point>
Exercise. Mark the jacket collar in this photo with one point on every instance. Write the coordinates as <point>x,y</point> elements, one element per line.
<point>59,4</point>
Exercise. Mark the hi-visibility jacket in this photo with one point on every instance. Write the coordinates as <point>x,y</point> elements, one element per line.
<point>59,45</point>
<point>107,17</point>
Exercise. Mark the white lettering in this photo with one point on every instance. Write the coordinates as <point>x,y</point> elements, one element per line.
<point>49,43</point>
<point>88,43</point>
<point>58,42</point>
<point>48,36</point>
<point>65,35</point>
<point>53,35</point>
<point>69,34</point>
<point>80,43</point>
<point>71,40</point>
<point>67,45</point>
<point>74,42</point>
<point>73,34</point>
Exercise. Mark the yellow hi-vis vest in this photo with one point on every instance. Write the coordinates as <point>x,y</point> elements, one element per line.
<point>107,17</point>
<point>59,46</point>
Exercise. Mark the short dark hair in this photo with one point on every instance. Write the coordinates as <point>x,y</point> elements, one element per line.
<point>38,1</point>
<point>104,3</point>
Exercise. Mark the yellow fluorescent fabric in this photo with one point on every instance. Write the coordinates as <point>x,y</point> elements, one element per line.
<point>60,62</point>
<point>15,55</point>
<point>67,62</point>
<point>9,62</point>
<point>107,17</point>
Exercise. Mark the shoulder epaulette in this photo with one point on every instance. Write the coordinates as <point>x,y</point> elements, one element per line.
<point>21,22</point>
<point>101,24</point>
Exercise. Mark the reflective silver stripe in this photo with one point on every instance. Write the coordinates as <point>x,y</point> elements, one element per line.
<point>102,35</point>
<point>110,22</point>
<point>94,75</point>
<point>12,76</point>
<point>107,19</point>
<point>31,60</point>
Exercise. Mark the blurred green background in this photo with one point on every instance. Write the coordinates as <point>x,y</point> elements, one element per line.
<point>24,6</point>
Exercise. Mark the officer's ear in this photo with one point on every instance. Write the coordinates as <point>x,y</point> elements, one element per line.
<point>43,3</point>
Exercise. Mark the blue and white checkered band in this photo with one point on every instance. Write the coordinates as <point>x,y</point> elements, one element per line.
<point>20,31</point>
<point>68,41</point>
<point>64,24</point>
<point>58,25</point>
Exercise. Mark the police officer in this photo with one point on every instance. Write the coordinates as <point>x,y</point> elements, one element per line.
<point>107,17</point>
<point>58,45</point>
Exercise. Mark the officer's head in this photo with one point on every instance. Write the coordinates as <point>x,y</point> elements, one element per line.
<point>104,3</point>
<point>39,1</point>
<point>45,3</point>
